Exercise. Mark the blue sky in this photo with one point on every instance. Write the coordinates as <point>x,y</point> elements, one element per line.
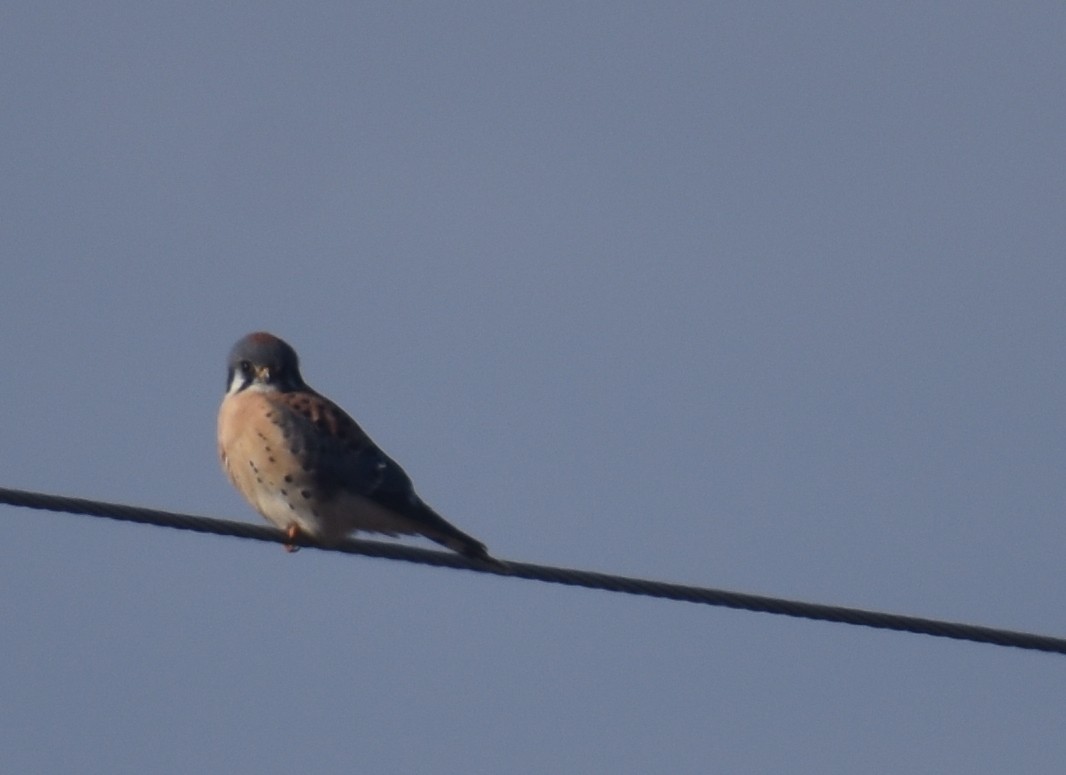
<point>765,297</point>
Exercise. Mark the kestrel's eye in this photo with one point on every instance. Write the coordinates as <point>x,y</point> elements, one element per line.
<point>245,367</point>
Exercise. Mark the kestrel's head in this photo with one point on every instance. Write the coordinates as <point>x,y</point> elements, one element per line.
<point>264,361</point>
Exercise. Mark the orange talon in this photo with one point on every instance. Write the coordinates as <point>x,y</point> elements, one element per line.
<point>292,532</point>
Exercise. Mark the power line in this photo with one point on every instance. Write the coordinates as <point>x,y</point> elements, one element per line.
<point>551,575</point>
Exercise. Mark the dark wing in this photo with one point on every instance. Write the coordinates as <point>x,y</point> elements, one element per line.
<point>345,456</point>
<point>349,460</point>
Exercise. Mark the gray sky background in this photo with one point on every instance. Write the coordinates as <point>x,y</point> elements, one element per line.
<point>760,296</point>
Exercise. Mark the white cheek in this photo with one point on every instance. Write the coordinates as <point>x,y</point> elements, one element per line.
<point>241,382</point>
<point>235,384</point>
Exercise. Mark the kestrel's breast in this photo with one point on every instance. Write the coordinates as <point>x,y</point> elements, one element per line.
<point>273,460</point>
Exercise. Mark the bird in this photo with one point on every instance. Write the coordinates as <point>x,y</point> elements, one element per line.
<point>308,467</point>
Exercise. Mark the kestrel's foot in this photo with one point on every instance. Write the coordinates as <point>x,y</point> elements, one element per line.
<point>293,532</point>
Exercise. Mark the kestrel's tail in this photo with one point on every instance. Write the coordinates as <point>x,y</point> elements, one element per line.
<point>436,528</point>
<point>460,543</point>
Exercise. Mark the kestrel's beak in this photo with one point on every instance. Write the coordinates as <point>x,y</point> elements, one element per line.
<point>262,373</point>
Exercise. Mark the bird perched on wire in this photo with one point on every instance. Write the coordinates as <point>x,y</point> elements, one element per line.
<point>307,466</point>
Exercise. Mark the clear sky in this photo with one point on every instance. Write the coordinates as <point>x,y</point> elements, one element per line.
<point>760,296</point>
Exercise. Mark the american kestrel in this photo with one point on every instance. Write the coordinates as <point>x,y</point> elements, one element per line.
<point>307,466</point>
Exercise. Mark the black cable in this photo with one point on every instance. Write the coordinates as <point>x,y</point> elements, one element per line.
<point>576,578</point>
